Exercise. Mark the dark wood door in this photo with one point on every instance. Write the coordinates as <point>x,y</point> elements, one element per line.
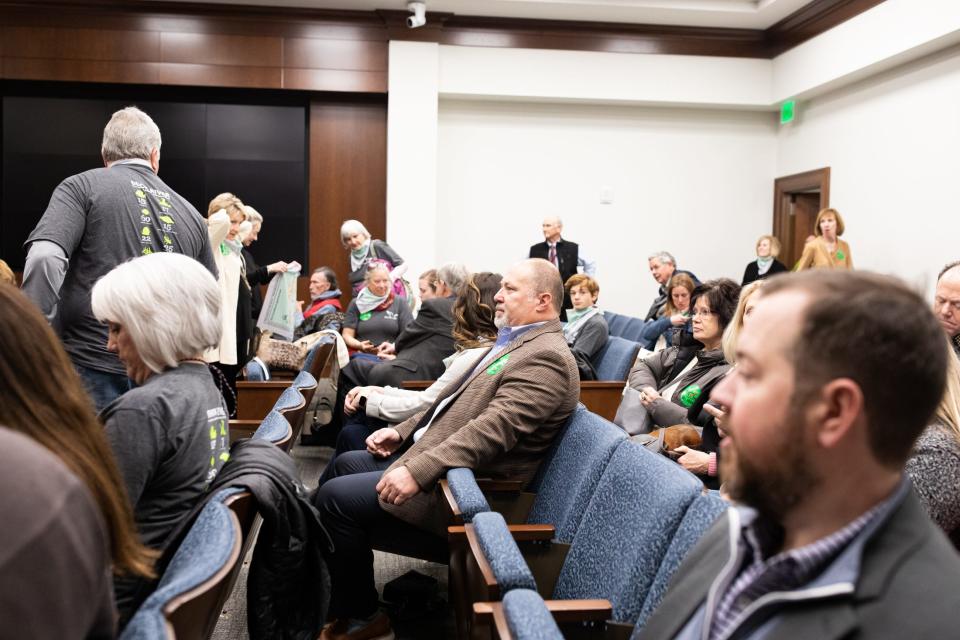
<point>802,210</point>
<point>796,201</point>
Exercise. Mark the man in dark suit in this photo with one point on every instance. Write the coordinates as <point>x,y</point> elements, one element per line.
<point>837,375</point>
<point>499,419</point>
<point>563,254</point>
<point>420,348</point>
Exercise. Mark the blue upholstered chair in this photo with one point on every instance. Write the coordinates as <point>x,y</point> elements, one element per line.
<point>616,323</point>
<point>562,487</point>
<point>567,480</point>
<point>523,615</point>
<point>700,516</point>
<point>623,536</point>
<point>615,359</point>
<point>276,429</point>
<point>257,371</point>
<point>633,329</point>
<point>198,580</point>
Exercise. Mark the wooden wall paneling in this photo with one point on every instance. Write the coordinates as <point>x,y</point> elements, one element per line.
<point>348,176</point>
<point>80,70</point>
<point>324,50</point>
<point>320,53</point>
<point>335,80</point>
<point>82,44</point>
<point>218,49</point>
<point>208,75</point>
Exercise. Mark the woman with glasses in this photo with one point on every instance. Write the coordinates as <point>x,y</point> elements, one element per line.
<point>673,380</point>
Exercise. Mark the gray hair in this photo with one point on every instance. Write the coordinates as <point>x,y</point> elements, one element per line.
<point>373,267</point>
<point>350,227</point>
<point>131,133</point>
<point>168,303</point>
<point>330,275</point>
<point>662,257</point>
<point>454,275</point>
<point>252,215</point>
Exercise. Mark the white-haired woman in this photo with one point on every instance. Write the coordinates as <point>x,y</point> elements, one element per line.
<point>363,249</point>
<point>170,433</point>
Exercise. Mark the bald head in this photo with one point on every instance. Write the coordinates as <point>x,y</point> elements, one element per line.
<point>531,291</point>
<point>552,228</point>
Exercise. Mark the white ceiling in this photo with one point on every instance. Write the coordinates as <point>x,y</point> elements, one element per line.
<point>745,14</point>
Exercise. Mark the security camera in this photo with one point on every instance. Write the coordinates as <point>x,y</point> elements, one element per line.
<point>419,17</point>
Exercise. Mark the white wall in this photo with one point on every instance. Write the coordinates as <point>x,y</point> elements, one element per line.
<point>595,76</point>
<point>695,181</point>
<point>892,144</point>
<point>412,153</point>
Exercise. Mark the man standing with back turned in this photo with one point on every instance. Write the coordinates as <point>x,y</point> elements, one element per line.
<point>837,374</point>
<point>96,220</point>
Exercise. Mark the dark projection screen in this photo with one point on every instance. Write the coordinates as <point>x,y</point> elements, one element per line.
<point>257,151</point>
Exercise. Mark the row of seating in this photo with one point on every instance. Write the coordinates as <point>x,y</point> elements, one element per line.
<point>626,327</point>
<point>606,523</point>
<point>201,574</point>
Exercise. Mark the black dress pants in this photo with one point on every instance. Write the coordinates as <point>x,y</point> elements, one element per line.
<point>350,510</point>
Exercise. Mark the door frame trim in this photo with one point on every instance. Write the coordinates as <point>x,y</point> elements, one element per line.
<point>813,180</point>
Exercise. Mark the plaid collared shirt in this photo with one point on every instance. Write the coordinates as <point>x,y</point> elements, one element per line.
<point>784,572</point>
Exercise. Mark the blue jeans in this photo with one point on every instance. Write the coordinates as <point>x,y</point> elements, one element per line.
<point>103,387</point>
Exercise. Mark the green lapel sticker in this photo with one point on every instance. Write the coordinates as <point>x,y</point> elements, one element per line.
<point>498,365</point>
<point>840,255</point>
<point>689,395</point>
<point>365,316</point>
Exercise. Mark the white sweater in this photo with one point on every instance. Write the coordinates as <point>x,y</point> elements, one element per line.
<point>396,405</point>
<point>229,266</point>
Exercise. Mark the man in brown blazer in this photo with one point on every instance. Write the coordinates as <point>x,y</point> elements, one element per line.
<point>498,420</point>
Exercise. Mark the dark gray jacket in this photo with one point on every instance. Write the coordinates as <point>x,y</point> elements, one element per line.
<point>660,370</point>
<point>421,346</point>
<point>908,586</point>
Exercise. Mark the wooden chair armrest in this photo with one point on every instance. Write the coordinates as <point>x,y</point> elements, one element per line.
<point>489,484</point>
<point>456,516</point>
<point>602,384</point>
<point>491,613</point>
<point>602,396</point>
<point>264,384</point>
<point>579,610</point>
<point>242,429</point>
<point>520,532</point>
<point>416,385</point>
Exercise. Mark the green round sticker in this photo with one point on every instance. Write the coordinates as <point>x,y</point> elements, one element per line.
<point>841,255</point>
<point>689,395</point>
<point>365,316</point>
<point>498,365</point>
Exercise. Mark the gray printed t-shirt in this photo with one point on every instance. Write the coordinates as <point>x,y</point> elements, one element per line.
<point>379,326</point>
<point>170,437</point>
<point>101,218</point>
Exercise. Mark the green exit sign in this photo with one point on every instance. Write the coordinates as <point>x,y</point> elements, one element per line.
<point>788,111</point>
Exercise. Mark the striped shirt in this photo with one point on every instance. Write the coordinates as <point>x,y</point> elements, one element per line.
<point>761,574</point>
